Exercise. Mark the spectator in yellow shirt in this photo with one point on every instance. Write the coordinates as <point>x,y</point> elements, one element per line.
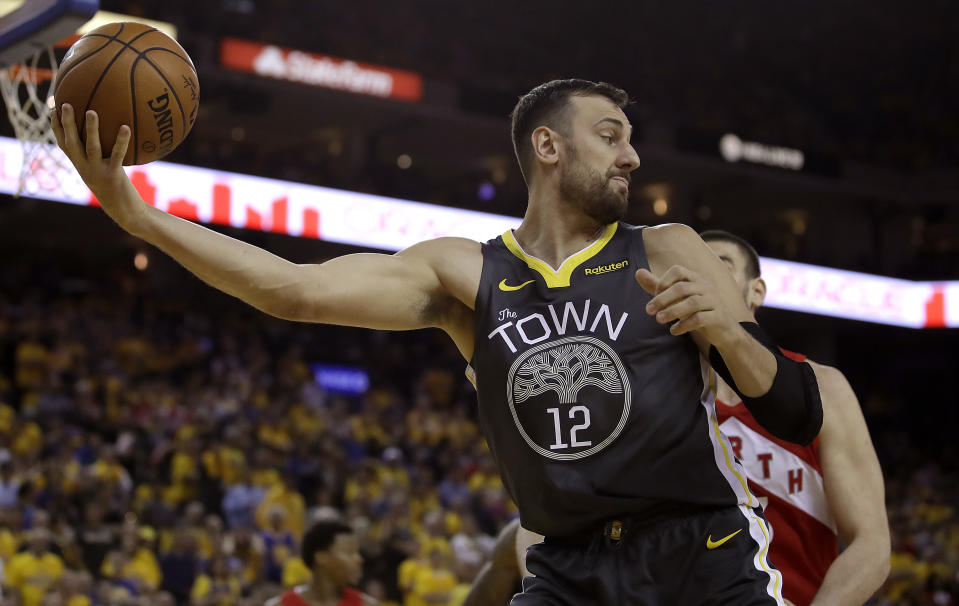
<point>466,571</point>
<point>31,359</point>
<point>295,572</point>
<point>75,587</point>
<point>132,563</point>
<point>218,587</point>
<point>264,473</point>
<point>33,573</point>
<point>434,583</point>
<point>9,537</point>
<point>185,470</point>
<point>286,496</point>
<point>110,472</point>
<point>226,461</point>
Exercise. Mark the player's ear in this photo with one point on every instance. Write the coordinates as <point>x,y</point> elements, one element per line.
<point>545,145</point>
<point>757,293</point>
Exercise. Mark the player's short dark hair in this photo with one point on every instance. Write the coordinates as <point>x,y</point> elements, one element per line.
<point>320,537</point>
<point>546,105</point>
<point>752,259</point>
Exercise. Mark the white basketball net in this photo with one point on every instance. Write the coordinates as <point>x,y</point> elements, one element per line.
<point>45,170</point>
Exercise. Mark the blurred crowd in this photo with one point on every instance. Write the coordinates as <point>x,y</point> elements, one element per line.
<point>155,453</point>
<point>170,446</point>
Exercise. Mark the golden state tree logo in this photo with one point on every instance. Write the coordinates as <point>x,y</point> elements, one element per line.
<point>569,398</point>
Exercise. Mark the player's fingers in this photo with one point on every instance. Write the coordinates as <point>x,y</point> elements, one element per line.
<point>670,295</point>
<point>676,273</point>
<point>120,148</point>
<point>683,308</point>
<point>56,126</point>
<point>93,136</point>
<point>71,141</point>
<point>648,281</point>
<point>694,322</point>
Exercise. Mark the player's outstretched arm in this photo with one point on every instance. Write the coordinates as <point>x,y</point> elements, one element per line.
<point>694,291</point>
<point>855,493</point>
<point>426,285</point>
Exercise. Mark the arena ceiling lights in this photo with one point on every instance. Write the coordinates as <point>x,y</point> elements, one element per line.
<point>295,209</point>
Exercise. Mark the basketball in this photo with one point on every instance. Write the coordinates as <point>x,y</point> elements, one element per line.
<point>131,73</point>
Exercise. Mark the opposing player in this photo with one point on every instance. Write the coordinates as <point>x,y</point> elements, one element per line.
<point>596,412</point>
<point>333,554</point>
<point>810,493</point>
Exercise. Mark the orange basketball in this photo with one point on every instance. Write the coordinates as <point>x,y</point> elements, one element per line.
<point>133,74</point>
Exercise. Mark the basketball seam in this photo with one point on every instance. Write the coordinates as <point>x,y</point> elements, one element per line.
<point>70,67</point>
<point>175,54</point>
<point>133,110</point>
<point>184,57</point>
<point>133,68</point>
<point>105,70</point>
<point>103,74</point>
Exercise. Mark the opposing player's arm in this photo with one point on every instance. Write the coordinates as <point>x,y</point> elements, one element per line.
<point>499,578</point>
<point>694,291</point>
<point>393,292</point>
<point>855,493</point>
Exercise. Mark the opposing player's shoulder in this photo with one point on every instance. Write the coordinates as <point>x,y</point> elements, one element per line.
<point>670,234</point>
<point>829,377</point>
<point>674,243</point>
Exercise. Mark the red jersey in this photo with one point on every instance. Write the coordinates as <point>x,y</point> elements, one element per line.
<point>788,480</point>
<point>351,597</point>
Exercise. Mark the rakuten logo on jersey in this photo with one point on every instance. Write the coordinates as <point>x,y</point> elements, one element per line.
<point>320,70</point>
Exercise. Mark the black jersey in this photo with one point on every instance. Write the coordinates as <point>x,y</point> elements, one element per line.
<point>591,408</point>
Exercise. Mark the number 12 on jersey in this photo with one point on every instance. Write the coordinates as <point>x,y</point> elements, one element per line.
<point>575,443</point>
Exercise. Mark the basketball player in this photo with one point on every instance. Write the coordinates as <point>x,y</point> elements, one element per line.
<point>333,554</point>
<point>809,493</point>
<point>597,413</point>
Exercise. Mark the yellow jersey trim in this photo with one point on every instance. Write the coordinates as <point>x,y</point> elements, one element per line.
<point>763,559</point>
<point>719,438</point>
<point>559,278</point>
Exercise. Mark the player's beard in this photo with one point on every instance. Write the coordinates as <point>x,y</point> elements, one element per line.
<point>592,192</point>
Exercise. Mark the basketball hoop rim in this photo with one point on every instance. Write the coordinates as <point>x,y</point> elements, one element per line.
<point>41,74</point>
<point>38,74</point>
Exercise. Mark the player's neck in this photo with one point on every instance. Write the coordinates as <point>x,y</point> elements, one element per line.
<point>322,592</point>
<point>553,230</point>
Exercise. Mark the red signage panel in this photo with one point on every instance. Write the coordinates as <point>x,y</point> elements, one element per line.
<point>320,70</point>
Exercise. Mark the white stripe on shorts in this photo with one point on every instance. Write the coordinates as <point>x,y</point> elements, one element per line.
<point>760,533</point>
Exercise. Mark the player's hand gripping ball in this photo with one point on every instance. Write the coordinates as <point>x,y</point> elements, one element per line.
<point>134,74</point>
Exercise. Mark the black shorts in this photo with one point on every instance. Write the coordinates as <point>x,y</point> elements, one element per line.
<point>714,557</point>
